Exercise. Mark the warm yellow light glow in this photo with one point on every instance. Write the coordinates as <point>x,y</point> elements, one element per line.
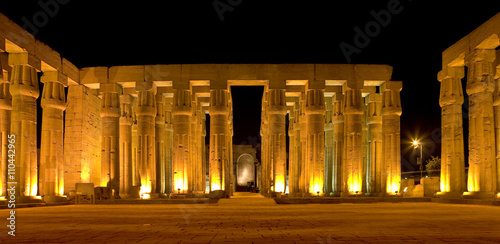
<point>406,188</point>
<point>215,184</point>
<point>467,193</point>
<point>145,191</point>
<point>34,189</point>
<point>2,198</point>
<point>37,197</point>
<point>415,143</point>
<point>280,184</point>
<point>354,185</point>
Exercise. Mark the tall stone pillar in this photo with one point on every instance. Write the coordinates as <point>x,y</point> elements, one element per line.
<point>391,111</point>
<point>452,139</point>
<point>264,130</point>
<point>146,163</point>
<point>5,112</point>
<point>277,137</point>
<point>303,166</point>
<point>125,146</point>
<point>51,148</point>
<point>315,129</point>
<point>24,91</point>
<point>110,114</point>
<point>294,151</point>
<point>181,113</point>
<point>496,104</point>
<point>375,152</point>
<point>338,144</point>
<point>329,145</point>
<point>480,87</point>
<point>219,151</point>
<point>160,151</point>
<point>168,145</point>
<point>353,170</point>
<point>202,153</point>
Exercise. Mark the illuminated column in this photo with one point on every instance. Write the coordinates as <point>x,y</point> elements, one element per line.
<point>51,149</point>
<point>110,114</point>
<point>146,165</point>
<point>125,146</point>
<point>480,87</point>
<point>353,170</point>
<point>198,145</point>
<point>375,152</point>
<point>5,111</point>
<point>265,175</point>
<point>329,145</point>
<point>202,154</point>
<point>315,128</point>
<point>496,104</point>
<point>135,144</point>
<point>338,144</point>
<point>391,142</point>
<point>167,174</point>
<point>294,151</point>
<point>452,145</point>
<point>303,167</point>
<point>219,153</point>
<point>277,137</point>
<point>24,91</point>
<point>181,113</point>
<point>228,172</point>
<point>160,144</point>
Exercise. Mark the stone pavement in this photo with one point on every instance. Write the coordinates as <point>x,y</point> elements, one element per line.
<point>209,223</point>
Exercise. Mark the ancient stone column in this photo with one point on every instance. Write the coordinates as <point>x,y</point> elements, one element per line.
<point>480,87</point>
<point>353,110</point>
<point>277,137</point>
<point>375,152</point>
<point>181,113</point>
<point>5,111</point>
<point>303,165</point>
<point>328,145</point>
<point>160,144</point>
<point>265,174</point>
<point>125,148</point>
<point>146,163</point>
<point>110,114</point>
<point>391,112</point>
<point>496,104</point>
<point>452,139</point>
<point>219,152</point>
<point>294,151</point>
<point>203,173</point>
<point>51,148</point>
<point>315,129</point>
<point>168,145</point>
<point>24,91</point>
<point>338,144</point>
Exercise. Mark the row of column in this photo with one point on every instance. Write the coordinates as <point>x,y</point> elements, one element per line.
<point>346,144</point>
<point>484,127</point>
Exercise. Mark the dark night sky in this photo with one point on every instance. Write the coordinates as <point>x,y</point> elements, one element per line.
<point>107,33</point>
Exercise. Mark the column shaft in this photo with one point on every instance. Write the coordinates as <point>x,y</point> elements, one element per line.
<point>219,151</point>
<point>125,149</point>
<point>5,114</point>
<point>277,135</point>
<point>391,111</point>
<point>480,86</point>
<point>338,144</point>
<point>24,91</point>
<point>181,113</point>
<point>452,146</point>
<point>110,113</point>
<point>315,112</point>
<point>51,148</point>
<point>375,152</point>
<point>329,145</point>
<point>146,163</point>
<point>353,171</point>
<point>160,144</point>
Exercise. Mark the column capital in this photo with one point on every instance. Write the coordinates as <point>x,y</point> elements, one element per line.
<point>219,101</point>
<point>315,102</point>
<point>276,101</point>
<point>451,85</point>
<point>24,81</point>
<point>110,103</point>
<point>353,103</point>
<point>5,97</point>
<point>391,99</point>
<point>374,113</point>
<point>480,72</point>
<point>146,103</point>
<point>126,110</point>
<point>182,102</point>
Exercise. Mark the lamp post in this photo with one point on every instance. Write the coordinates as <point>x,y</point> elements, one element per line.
<point>415,146</point>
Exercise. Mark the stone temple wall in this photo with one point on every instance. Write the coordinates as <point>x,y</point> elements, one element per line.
<point>82,138</point>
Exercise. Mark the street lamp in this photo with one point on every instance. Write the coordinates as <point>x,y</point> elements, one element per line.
<point>416,144</point>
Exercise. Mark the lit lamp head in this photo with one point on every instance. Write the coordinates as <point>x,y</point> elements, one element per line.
<point>415,144</point>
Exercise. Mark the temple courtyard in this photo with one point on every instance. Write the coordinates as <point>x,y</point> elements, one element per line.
<point>257,220</point>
